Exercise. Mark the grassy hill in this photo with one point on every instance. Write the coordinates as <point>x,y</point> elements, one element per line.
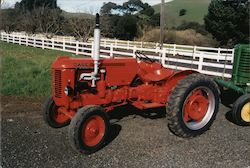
<point>72,15</point>
<point>196,9</point>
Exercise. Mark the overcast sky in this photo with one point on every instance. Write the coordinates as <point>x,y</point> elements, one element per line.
<point>89,6</point>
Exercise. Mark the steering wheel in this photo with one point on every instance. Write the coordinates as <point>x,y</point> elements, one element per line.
<point>141,56</point>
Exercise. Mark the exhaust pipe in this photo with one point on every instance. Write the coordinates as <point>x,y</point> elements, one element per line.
<point>96,54</point>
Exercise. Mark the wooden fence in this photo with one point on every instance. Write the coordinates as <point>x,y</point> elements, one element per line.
<point>206,60</point>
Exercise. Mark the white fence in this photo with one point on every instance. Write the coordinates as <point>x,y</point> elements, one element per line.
<point>210,61</point>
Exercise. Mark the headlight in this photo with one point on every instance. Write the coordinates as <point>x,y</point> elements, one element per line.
<point>68,90</point>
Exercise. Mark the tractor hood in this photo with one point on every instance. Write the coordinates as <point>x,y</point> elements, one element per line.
<point>66,62</point>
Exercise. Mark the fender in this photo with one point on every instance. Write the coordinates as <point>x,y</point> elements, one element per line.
<point>172,81</point>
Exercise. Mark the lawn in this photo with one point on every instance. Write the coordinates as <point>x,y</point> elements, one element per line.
<point>196,10</point>
<point>26,71</point>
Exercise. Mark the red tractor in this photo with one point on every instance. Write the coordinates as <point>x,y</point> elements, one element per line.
<point>84,90</point>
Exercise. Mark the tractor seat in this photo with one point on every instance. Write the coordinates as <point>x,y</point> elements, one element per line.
<point>153,72</point>
<point>158,75</point>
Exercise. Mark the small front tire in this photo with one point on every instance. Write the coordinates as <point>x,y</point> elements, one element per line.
<point>241,110</point>
<point>89,129</point>
<point>52,116</point>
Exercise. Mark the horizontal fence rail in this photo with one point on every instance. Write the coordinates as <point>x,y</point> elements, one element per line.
<point>206,60</point>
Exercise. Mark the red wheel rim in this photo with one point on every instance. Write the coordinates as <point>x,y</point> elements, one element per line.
<point>58,116</point>
<point>93,130</point>
<point>196,106</point>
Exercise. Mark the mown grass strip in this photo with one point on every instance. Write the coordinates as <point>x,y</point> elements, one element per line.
<point>26,71</point>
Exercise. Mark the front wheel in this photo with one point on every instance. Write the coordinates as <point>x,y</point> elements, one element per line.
<point>89,129</point>
<point>241,110</point>
<point>192,106</point>
<point>52,116</point>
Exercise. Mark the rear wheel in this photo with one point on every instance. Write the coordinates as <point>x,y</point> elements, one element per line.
<point>241,110</point>
<point>192,106</point>
<point>89,129</point>
<point>52,116</point>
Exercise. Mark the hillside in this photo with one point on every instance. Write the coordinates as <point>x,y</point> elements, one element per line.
<point>196,9</point>
<point>72,15</point>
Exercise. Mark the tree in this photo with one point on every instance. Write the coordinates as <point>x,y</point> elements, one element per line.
<point>34,4</point>
<point>228,20</point>
<point>107,8</point>
<point>81,28</point>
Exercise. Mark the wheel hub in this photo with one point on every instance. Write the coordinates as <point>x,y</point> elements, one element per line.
<point>93,131</point>
<point>245,112</point>
<point>196,107</point>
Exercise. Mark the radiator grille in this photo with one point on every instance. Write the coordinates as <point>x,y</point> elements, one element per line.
<point>58,84</point>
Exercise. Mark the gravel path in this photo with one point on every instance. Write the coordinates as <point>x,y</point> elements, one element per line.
<point>137,141</point>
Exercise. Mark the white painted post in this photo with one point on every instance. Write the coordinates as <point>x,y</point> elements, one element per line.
<point>34,42</point>
<point>111,51</point>
<point>53,43</point>
<point>200,63</point>
<point>141,44</point>
<point>7,38</point>
<point>163,57</point>
<point>218,55</point>
<point>42,43</point>
<point>13,38</point>
<point>174,53</point>
<point>77,47</point>
<point>64,44</point>
<point>26,41</point>
<point>134,50</point>
<point>19,40</point>
<point>194,52</point>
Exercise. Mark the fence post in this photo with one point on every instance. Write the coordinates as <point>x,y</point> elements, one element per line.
<point>194,52</point>
<point>42,43</point>
<point>77,47</point>
<point>111,51</point>
<point>53,43</point>
<point>115,43</point>
<point>34,42</point>
<point>26,41</point>
<point>19,40</point>
<point>163,56</point>
<point>174,50</point>
<point>134,50</point>
<point>141,44</point>
<point>64,44</point>
<point>218,55</point>
<point>200,63</point>
<point>13,39</point>
<point>7,38</point>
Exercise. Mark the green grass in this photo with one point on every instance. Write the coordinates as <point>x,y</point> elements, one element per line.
<point>196,10</point>
<point>26,71</point>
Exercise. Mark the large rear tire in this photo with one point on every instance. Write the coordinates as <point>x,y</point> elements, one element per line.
<point>51,115</point>
<point>89,129</point>
<point>241,110</point>
<point>192,106</point>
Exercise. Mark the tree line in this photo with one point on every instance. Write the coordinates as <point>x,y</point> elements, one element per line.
<point>226,20</point>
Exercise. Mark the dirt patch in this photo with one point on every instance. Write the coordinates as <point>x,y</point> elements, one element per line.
<point>15,105</point>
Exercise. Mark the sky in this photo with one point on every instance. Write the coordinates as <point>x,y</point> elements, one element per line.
<point>88,6</point>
